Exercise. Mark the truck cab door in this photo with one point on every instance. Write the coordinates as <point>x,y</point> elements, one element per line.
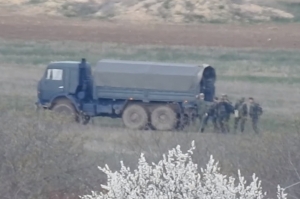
<point>52,84</point>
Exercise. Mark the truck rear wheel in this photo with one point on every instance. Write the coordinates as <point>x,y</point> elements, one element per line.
<point>163,118</point>
<point>135,117</point>
<point>65,109</point>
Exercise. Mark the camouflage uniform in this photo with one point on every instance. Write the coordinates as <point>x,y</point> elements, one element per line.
<point>224,109</point>
<point>255,111</point>
<point>241,110</point>
<point>211,114</point>
<point>229,110</point>
<point>201,108</point>
<point>200,104</point>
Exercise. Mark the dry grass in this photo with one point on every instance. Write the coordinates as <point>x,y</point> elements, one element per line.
<point>175,11</point>
<point>43,155</point>
<point>273,155</point>
<point>291,6</point>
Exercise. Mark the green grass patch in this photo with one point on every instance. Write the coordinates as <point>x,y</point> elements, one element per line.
<point>255,65</point>
<point>263,80</point>
<point>270,76</point>
<point>36,1</point>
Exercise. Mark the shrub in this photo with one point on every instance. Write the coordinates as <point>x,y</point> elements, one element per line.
<point>176,176</point>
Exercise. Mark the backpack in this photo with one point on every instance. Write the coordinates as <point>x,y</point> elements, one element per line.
<point>241,110</point>
<point>222,109</point>
<point>212,109</point>
<point>259,109</point>
<point>229,108</point>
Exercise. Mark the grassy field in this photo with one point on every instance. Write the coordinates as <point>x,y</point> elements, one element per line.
<point>270,76</point>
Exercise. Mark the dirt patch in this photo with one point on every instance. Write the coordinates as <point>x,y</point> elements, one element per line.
<point>60,29</point>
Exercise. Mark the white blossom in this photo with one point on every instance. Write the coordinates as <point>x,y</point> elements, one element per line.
<point>176,176</point>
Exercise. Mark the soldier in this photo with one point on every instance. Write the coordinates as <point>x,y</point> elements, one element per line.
<point>222,113</point>
<point>201,107</point>
<point>226,98</point>
<point>211,114</point>
<point>255,111</point>
<point>240,114</point>
<point>229,110</point>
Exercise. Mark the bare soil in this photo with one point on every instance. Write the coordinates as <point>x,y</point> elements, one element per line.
<point>210,35</point>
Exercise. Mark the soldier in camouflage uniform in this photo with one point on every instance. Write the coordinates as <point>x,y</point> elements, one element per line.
<point>255,111</point>
<point>201,107</point>
<point>229,111</point>
<point>224,109</point>
<point>211,114</point>
<point>240,114</point>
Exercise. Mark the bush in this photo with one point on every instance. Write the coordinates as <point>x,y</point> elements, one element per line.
<point>176,176</point>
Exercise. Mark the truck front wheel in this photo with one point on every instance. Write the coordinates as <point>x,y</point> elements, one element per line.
<point>163,118</point>
<point>66,109</point>
<point>135,117</point>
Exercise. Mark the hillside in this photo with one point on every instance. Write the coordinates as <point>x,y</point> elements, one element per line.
<point>178,11</point>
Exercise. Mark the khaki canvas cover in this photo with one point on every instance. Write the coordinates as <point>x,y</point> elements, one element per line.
<point>147,75</point>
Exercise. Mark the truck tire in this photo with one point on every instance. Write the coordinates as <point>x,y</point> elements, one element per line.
<point>64,107</point>
<point>163,118</point>
<point>135,117</point>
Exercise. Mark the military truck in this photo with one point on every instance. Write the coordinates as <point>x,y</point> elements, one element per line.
<point>143,94</point>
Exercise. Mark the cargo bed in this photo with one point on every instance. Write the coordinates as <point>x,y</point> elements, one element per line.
<point>149,95</point>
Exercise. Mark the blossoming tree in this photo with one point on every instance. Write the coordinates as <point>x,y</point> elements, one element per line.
<point>176,176</point>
